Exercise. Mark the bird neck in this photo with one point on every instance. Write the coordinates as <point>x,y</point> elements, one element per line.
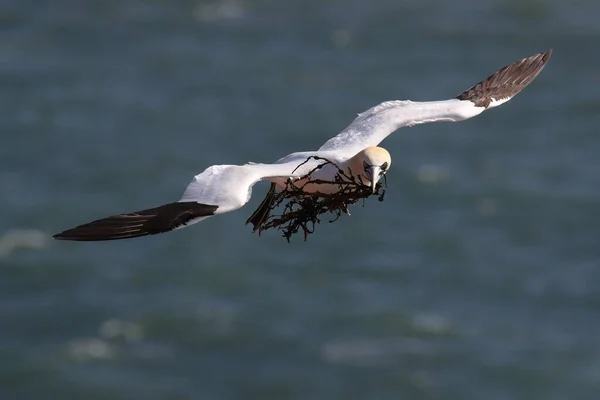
<point>353,166</point>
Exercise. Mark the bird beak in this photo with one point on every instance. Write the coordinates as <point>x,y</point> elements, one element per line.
<point>374,178</point>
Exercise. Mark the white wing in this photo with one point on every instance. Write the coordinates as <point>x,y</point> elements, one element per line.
<point>219,189</point>
<point>230,186</point>
<point>375,124</point>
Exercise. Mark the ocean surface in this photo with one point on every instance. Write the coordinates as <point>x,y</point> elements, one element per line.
<point>478,276</point>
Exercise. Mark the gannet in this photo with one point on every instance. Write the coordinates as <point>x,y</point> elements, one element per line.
<point>224,188</point>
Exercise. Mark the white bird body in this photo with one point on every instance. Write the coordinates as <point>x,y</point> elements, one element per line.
<point>301,164</point>
<point>223,188</point>
<point>230,186</point>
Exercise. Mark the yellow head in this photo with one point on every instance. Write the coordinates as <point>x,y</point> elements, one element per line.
<point>371,163</point>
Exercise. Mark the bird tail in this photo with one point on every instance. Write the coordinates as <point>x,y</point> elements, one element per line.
<point>261,214</point>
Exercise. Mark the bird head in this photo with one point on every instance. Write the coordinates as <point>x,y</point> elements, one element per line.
<point>372,163</point>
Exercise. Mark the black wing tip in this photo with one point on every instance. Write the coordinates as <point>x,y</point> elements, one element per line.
<point>64,235</point>
<point>100,230</point>
<point>140,223</point>
<point>508,81</point>
<point>540,59</point>
<point>76,235</point>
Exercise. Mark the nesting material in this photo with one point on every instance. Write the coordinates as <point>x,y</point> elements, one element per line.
<point>303,211</point>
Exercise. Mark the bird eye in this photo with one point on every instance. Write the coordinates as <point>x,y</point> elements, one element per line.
<point>366,166</point>
<point>384,166</point>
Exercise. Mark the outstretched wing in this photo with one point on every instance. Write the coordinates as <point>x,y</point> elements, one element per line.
<point>217,190</point>
<point>375,124</point>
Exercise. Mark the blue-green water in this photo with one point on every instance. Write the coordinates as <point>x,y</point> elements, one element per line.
<point>478,277</point>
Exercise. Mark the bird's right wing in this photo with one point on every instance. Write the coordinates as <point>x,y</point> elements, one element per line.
<point>219,189</point>
<point>375,124</point>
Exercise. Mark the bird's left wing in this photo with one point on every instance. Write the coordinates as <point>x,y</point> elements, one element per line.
<point>375,124</point>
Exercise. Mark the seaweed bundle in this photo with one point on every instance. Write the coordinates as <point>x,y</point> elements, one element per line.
<point>302,211</point>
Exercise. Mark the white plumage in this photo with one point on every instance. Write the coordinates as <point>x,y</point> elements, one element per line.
<point>224,188</point>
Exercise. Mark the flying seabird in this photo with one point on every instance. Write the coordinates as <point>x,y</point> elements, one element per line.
<point>223,188</point>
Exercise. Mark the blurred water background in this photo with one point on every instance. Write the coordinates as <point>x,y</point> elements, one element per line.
<point>477,278</point>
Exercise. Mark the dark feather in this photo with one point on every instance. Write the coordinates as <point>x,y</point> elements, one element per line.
<point>140,223</point>
<point>261,214</point>
<point>508,81</point>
